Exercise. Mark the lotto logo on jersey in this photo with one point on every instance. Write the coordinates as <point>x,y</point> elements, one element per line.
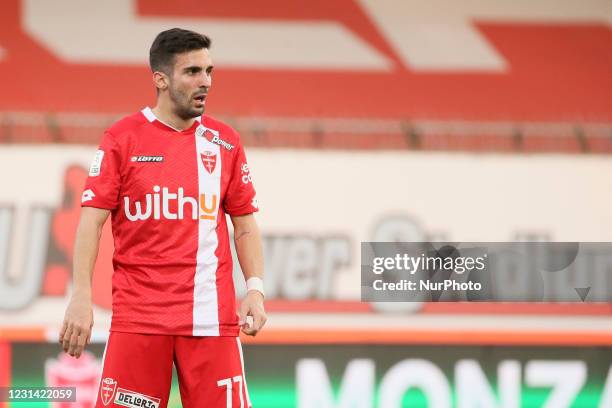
<point>88,195</point>
<point>147,159</point>
<point>159,203</point>
<point>133,399</point>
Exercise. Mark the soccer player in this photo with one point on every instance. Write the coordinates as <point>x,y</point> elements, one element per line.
<point>168,175</point>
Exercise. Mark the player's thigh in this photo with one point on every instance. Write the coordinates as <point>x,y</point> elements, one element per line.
<point>137,371</point>
<point>211,373</point>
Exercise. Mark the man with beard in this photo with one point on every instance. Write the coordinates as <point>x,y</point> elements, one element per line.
<point>168,176</point>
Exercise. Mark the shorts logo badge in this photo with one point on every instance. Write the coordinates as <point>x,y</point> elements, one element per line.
<point>107,390</point>
<point>133,399</point>
<point>209,159</point>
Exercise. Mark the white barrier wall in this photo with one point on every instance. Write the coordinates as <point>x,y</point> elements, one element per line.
<point>316,208</point>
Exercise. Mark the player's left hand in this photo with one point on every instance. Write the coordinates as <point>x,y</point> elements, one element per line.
<point>252,305</point>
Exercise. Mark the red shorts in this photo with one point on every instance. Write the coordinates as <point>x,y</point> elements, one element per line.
<point>138,371</point>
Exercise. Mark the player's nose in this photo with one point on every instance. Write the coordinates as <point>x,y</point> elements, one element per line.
<point>205,81</point>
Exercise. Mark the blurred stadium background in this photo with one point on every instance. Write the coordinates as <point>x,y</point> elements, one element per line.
<point>365,120</point>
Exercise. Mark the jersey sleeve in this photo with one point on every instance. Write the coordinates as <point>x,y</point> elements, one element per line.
<point>240,196</point>
<point>102,185</point>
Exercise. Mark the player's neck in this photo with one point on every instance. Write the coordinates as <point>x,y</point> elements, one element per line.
<point>164,114</point>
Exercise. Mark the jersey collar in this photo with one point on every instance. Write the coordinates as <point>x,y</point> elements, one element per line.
<point>148,113</point>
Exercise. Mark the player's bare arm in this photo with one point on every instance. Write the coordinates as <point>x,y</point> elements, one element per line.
<point>78,320</point>
<point>250,255</point>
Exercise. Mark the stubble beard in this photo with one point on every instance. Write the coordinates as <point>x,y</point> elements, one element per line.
<point>182,105</point>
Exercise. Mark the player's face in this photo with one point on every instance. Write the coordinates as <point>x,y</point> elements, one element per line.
<point>190,83</point>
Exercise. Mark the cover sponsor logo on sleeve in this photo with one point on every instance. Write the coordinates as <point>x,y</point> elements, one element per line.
<point>133,399</point>
<point>88,195</point>
<point>96,164</point>
<point>107,390</point>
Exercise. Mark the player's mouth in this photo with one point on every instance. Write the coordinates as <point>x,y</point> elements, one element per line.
<point>200,99</point>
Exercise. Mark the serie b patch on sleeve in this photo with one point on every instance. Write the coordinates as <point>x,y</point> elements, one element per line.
<point>96,164</point>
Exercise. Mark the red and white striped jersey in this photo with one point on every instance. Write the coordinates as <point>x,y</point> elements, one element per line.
<point>168,192</point>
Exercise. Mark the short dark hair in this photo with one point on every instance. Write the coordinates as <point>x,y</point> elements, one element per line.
<point>171,42</point>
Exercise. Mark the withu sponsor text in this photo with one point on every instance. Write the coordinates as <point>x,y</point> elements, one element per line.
<point>157,205</point>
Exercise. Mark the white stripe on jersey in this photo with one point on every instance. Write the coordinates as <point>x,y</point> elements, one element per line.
<point>205,305</point>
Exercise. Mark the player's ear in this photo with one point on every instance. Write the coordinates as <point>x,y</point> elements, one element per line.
<point>161,80</point>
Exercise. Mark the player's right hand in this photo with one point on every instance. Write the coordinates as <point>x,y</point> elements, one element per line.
<point>253,306</point>
<point>76,329</point>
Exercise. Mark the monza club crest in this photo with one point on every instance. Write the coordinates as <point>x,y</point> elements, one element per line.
<point>107,390</point>
<point>209,160</point>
